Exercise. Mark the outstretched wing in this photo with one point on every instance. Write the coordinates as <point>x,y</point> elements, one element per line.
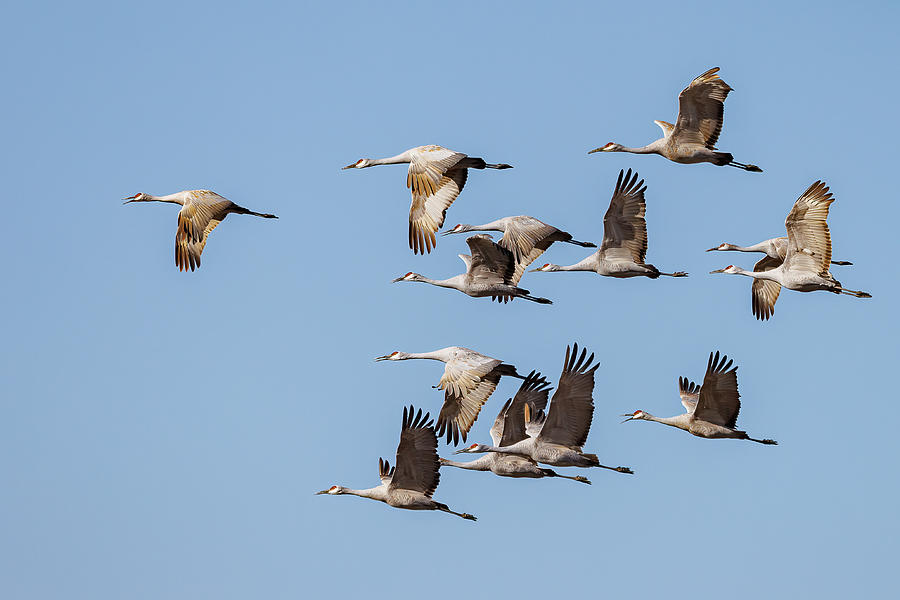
<point>523,234</point>
<point>689,392</point>
<point>624,226</point>
<point>764,293</point>
<point>532,394</point>
<point>434,184</point>
<point>490,262</point>
<point>719,401</point>
<point>201,213</point>
<point>572,408</point>
<point>809,240</point>
<point>460,411</point>
<point>701,110</point>
<point>417,457</point>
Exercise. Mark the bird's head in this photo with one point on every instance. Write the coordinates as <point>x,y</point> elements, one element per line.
<point>635,416</point>
<point>334,490</point>
<point>139,197</point>
<point>609,147</point>
<point>722,246</point>
<point>546,268</point>
<point>473,449</point>
<point>393,356</point>
<point>360,164</point>
<point>458,229</point>
<point>730,269</point>
<point>409,277</point>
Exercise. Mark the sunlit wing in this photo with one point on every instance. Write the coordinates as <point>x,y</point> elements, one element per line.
<point>572,407</point>
<point>434,184</point>
<point>689,393</point>
<point>459,411</point>
<point>462,374</point>
<point>809,240</point>
<point>196,220</point>
<point>385,471</point>
<point>764,293</point>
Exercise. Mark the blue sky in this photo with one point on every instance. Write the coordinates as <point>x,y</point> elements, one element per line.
<point>162,433</point>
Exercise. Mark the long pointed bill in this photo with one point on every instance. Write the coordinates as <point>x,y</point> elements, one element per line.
<point>322,492</point>
<point>462,451</point>
<point>398,279</point>
<point>380,358</point>
<point>713,249</point>
<point>717,271</point>
<point>130,198</point>
<point>600,149</point>
<point>630,418</point>
<point>350,166</point>
<point>447,232</point>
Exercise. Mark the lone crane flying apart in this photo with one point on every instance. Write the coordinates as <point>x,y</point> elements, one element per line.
<point>468,381</point>
<point>712,409</point>
<point>624,244</point>
<point>201,212</point>
<point>490,272</point>
<point>806,262</point>
<point>533,392</point>
<point>563,432</point>
<point>692,139</point>
<point>412,481</point>
<point>526,237</point>
<point>436,177</point>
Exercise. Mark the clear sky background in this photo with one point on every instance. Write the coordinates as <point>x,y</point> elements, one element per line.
<point>162,433</point>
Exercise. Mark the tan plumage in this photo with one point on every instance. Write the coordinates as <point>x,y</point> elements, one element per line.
<point>201,212</point>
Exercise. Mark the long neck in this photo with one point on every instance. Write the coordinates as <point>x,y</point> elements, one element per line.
<point>176,198</point>
<point>770,275</point>
<point>482,463</point>
<point>435,355</point>
<point>391,160</point>
<point>651,148</point>
<point>588,264</point>
<point>680,422</point>
<point>760,247</point>
<point>375,493</point>
<point>454,282</point>
<point>497,225</point>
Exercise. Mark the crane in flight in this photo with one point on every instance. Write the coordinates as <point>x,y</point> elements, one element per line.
<point>412,481</point>
<point>468,381</point>
<point>711,409</point>
<point>435,178</point>
<point>490,272</point>
<point>533,392</point>
<point>806,262</point>
<point>557,439</point>
<point>201,212</point>
<point>624,246</point>
<point>526,237</point>
<point>692,139</point>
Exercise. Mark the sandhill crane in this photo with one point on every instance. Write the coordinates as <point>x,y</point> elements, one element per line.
<point>624,236</point>
<point>775,248</point>
<point>412,481</point>
<point>201,212</point>
<point>533,392</point>
<point>490,272</point>
<point>701,110</point>
<point>712,409</point>
<point>806,262</point>
<point>526,237</point>
<point>468,381</point>
<point>436,177</point>
<point>559,441</point>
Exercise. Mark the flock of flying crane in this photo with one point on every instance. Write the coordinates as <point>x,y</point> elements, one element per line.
<point>526,433</point>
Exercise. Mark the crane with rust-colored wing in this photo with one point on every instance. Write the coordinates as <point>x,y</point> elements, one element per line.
<point>201,212</point>
<point>435,178</point>
<point>692,139</point>
<point>415,476</point>
<point>711,409</point>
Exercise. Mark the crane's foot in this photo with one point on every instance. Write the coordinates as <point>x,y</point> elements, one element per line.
<point>469,517</point>
<point>624,470</point>
<point>582,479</point>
